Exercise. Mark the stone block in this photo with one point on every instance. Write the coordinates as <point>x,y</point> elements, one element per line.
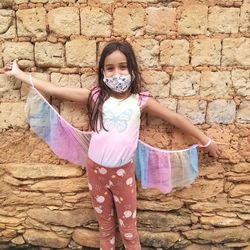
<point>95,22</point>
<point>12,115</point>
<point>156,82</point>
<point>21,1</point>
<point>129,21</point>
<point>31,22</point>
<point>66,80</point>
<point>144,1</point>
<point>7,24</point>
<point>25,88</point>
<point>9,88</point>
<point>216,235</point>
<point>215,84</point>
<point>221,111</point>
<point>235,51</point>
<point>88,80</point>
<point>194,110</point>
<point>243,113</point>
<point>206,52</point>
<point>147,52</point>
<point>45,239</point>
<point>174,52</point>
<point>185,83</point>
<point>49,54</point>
<point>167,23</point>
<point>86,237</point>
<point>25,171</point>
<point>245,17</point>
<point>224,20</point>
<point>81,52</point>
<point>59,1</point>
<point>19,50</point>
<point>241,82</point>
<point>75,114</point>
<point>64,21</point>
<point>193,20</point>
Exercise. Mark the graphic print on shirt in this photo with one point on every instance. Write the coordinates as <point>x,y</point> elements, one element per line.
<point>116,122</point>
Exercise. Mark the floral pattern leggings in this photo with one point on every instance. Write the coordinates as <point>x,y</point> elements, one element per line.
<point>114,188</point>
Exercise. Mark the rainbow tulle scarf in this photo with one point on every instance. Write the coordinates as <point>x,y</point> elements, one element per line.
<point>155,168</point>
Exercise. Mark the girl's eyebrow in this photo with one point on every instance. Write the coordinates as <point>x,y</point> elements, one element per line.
<point>110,64</point>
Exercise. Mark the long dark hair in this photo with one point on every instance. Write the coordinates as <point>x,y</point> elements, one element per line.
<point>102,92</point>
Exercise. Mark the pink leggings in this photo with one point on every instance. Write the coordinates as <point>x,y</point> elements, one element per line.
<point>109,188</point>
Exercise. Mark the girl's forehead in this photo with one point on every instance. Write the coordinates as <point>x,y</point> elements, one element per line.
<point>115,57</point>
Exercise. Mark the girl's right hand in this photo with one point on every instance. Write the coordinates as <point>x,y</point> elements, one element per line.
<point>12,69</point>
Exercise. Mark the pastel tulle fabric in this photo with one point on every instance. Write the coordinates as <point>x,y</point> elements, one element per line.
<point>155,168</point>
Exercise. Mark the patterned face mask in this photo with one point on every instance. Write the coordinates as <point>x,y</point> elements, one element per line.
<point>118,83</point>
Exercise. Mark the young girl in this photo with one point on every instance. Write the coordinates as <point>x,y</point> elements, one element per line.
<point>114,110</point>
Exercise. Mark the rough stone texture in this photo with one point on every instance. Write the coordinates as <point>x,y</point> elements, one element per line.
<point>193,109</point>
<point>221,111</point>
<point>221,234</point>
<point>244,17</point>
<point>40,171</point>
<point>241,82</point>
<point>154,79</point>
<point>129,21</point>
<point>70,218</point>
<point>88,80</point>
<point>206,52</point>
<point>98,18</point>
<point>75,114</point>
<point>147,52</point>
<point>224,20</point>
<point>81,52</point>
<point>193,20</point>
<point>45,239</point>
<point>64,21</point>
<point>12,115</point>
<point>66,80</point>
<point>167,23</point>
<point>31,22</point>
<point>216,84</point>
<point>161,221</point>
<point>61,186</point>
<point>23,51</point>
<point>7,24</point>
<point>86,237</point>
<point>243,112</point>
<point>163,239</point>
<point>185,83</point>
<point>221,221</point>
<point>9,88</point>
<point>49,54</point>
<point>174,52</point>
<point>235,51</point>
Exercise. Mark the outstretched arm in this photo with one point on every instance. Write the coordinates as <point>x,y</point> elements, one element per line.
<point>72,94</point>
<point>154,108</point>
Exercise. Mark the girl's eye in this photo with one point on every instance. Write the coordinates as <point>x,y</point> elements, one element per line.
<point>124,67</point>
<point>109,69</point>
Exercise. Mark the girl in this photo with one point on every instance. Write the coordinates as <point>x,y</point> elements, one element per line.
<point>114,110</point>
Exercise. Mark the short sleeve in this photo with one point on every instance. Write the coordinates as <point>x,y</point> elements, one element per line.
<point>95,92</point>
<point>143,98</point>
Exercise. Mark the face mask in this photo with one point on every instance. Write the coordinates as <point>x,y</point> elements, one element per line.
<point>118,83</point>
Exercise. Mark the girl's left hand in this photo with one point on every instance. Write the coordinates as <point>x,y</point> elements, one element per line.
<point>213,149</point>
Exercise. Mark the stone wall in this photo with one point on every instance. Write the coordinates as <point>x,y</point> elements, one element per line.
<point>195,59</point>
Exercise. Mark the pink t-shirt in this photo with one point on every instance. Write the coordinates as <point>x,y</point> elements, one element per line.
<point>116,147</point>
